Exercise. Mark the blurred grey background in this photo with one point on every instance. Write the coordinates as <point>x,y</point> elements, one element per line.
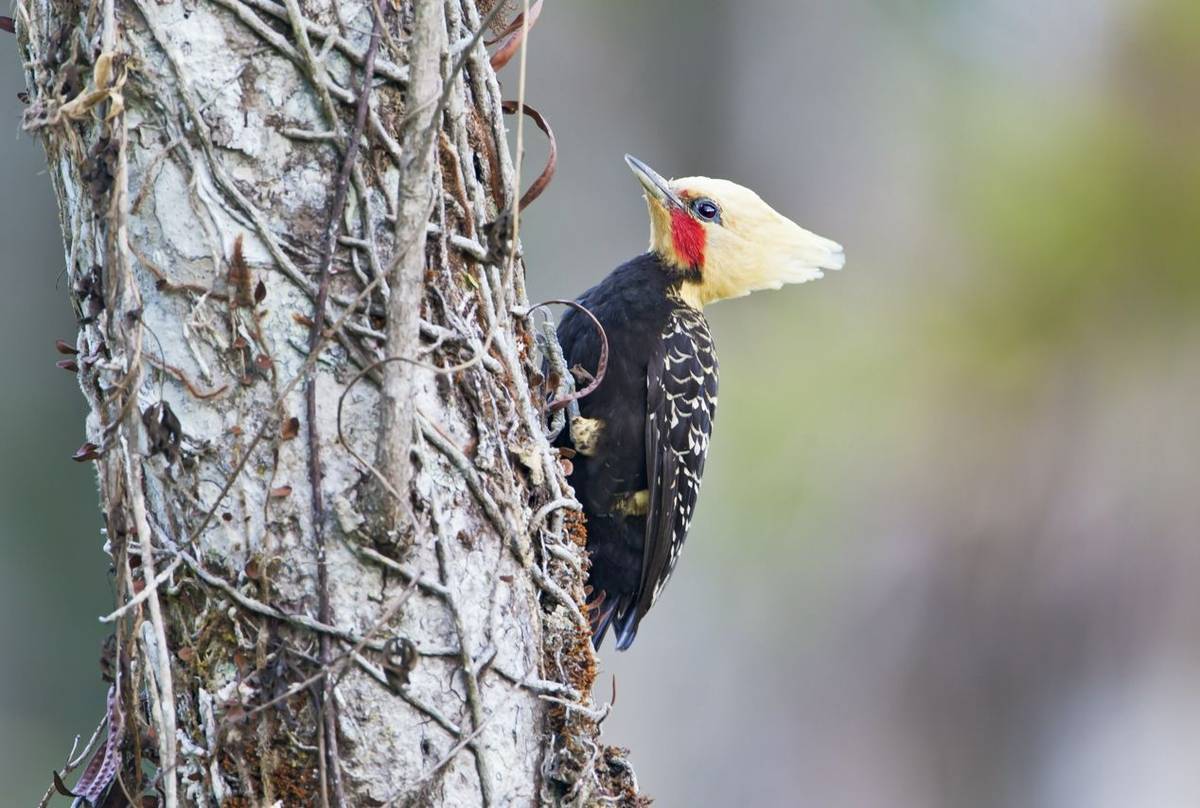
<point>946,550</point>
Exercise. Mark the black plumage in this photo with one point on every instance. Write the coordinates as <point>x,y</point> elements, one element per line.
<point>639,478</point>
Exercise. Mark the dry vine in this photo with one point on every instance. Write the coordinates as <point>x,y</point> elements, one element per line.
<point>281,235</point>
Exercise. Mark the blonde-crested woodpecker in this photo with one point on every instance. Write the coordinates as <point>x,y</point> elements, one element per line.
<point>642,435</point>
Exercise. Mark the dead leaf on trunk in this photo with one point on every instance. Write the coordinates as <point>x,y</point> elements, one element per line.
<point>290,429</point>
<point>86,452</point>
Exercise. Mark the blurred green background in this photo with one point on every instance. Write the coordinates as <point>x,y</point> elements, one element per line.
<point>947,546</point>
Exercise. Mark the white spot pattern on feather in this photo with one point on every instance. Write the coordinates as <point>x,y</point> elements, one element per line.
<point>689,380</point>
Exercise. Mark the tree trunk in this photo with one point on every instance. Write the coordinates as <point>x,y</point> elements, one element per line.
<point>348,568</point>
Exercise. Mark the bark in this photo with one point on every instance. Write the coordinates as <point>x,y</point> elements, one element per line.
<point>348,568</point>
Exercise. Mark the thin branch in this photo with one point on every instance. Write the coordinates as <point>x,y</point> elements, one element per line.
<point>383,67</point>
<point>492,511</point>
<point>406,572</point>
<point>166,688</point>
<point>474,696</point>
<point>407,269</point>
<point>258,607</point>
<point>467,469</point>
<point>414,791</point>
<point>601,363</point>
<point>597,715</point>
<point>448,85</point>
<point>301,374</point>
<point>562,503</point>
<point>147,591</point>
<point>480,357</point>
<point>74,760</point>
<point>342,659</point>
<point>515,207</point>
<point>315,472</point>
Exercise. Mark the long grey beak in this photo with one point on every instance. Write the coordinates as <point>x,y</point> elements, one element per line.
<point>656,187</point>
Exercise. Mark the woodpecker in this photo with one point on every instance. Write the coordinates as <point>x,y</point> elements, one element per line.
<point>641,436</point>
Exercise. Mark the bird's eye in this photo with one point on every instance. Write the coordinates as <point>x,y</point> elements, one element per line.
<point>707,210</point>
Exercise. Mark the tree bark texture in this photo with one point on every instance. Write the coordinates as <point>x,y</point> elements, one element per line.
<point>348,568</point>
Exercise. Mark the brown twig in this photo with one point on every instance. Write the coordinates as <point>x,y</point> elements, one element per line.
<point>513,35</point>
<point>543,179</point>
<point>182,378</point>
<point>315,473</point>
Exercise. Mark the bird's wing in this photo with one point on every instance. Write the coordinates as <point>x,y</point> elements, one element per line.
<point>681,401</point>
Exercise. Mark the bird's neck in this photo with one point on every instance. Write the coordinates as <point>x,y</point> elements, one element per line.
<point>684,279</point>
<point>689,292</point>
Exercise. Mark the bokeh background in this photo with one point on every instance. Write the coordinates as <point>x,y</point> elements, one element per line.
<point>947,550</point>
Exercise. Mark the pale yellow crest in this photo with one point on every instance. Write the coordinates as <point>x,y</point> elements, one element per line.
<point>751,247</point>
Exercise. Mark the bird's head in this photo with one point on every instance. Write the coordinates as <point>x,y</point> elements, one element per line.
<point>725,240</point>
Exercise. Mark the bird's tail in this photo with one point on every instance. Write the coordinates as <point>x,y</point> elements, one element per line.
<point>604,611</point>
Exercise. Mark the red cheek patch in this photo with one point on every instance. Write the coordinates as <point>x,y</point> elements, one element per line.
<point>688,238</point>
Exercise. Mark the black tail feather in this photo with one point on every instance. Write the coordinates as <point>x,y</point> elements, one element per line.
<point>605,611</point>
<point>627,626</point>
<point>601,612</point>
